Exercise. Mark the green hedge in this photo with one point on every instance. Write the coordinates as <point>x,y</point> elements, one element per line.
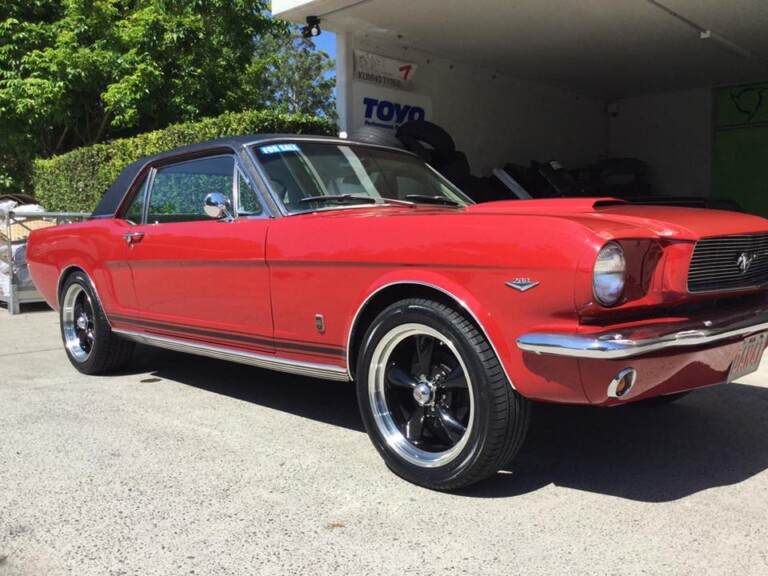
<point>76,181</point>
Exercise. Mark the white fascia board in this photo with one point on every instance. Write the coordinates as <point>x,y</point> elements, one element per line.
<point>298,10</point>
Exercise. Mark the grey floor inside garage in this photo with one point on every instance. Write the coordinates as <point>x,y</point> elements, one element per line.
<point>186,465</point>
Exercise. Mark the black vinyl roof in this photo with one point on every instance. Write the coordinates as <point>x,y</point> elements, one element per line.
<point>110,202</point>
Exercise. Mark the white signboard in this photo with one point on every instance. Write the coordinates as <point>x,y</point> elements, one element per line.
<point>382,70</point>
<point>387,108</point>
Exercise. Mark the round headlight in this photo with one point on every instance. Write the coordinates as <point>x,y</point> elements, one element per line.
<point>609,275</point>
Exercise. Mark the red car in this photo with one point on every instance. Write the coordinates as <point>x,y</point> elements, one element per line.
<point>346,261</point>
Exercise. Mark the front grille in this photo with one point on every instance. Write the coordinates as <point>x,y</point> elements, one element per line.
<point>729,263</point>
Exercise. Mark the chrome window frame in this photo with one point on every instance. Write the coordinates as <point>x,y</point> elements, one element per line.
<point>148,174</point>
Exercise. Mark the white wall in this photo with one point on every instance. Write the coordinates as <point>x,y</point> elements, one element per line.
<point>672,133</point>
<point>495,119</point>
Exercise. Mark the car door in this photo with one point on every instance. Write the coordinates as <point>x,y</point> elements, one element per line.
<point>195,277</point>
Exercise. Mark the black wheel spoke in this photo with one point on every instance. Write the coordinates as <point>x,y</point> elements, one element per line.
<point>414,428</point>
<point>450,423</point>
<point>424,348</point>
<point>399,377</point>
<point>88,309</point>
<point>456,379</point>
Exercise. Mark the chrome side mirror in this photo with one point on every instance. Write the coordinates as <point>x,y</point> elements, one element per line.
<point>217,205</point>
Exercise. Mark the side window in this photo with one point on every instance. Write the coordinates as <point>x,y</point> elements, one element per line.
<point>178,191</point>
<point>248,200</point>
<point>135,211</point>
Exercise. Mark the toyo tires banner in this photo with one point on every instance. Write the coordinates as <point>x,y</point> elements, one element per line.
<point>387,108</point>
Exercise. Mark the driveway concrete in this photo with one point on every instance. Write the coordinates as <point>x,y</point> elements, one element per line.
<point>185,465</point>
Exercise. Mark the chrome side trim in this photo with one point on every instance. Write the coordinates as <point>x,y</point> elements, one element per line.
<point>461,303</point>
<point>646,339</point>
<point>261,361</point>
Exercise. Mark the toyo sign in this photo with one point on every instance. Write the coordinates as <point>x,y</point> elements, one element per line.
<point>387,108</point>
<point>386,111</point>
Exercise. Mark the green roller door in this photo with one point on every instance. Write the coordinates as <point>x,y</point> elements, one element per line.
<point>741,146</point>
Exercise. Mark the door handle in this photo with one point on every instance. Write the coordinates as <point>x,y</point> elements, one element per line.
<point>133,237</point>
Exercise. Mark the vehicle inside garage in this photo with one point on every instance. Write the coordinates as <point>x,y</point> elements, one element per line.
<point>662,98</point>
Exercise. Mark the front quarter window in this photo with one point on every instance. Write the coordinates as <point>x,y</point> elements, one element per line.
<point>134,213</point>
<point>248,200</point>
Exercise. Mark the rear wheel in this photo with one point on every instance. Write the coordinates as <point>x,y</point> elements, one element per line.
<point>91,346</point>
<point>434,399</point>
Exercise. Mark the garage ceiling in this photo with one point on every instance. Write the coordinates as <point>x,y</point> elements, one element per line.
<point>608,48</point>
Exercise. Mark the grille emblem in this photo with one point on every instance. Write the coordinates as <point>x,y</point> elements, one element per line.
<point>745,261</point>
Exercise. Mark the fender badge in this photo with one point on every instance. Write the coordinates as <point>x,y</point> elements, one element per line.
<point>522,284</point>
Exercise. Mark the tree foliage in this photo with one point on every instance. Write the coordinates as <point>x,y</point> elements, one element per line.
<point>290,75</point>
<point>77,72</point>
<point>76,181</point>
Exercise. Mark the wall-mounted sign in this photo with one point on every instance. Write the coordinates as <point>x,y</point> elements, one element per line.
<point>745,105</point>
<point>387,108</point>
<point>382,70</point>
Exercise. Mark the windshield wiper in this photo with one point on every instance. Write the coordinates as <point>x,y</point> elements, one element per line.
<point>339,199</point>
<point>432,199</point>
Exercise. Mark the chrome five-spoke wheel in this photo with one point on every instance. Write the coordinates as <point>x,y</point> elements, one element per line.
<point>434,398</point>
<point>88,339</point>
<point>77,322</point>
<point>421,395</point>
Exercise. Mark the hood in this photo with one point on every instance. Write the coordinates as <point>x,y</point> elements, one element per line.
<point>610,215</point>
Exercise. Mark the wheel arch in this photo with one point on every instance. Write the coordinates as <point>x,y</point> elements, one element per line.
<point>394,291</point>
<point>64,275</point>
<point>66,272</point>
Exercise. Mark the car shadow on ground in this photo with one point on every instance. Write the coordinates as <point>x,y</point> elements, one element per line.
<point>321,400</point>
<point>713,437</point>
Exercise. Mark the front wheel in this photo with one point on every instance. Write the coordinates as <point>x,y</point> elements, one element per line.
<point>434,398</point>
<point>91,346</point>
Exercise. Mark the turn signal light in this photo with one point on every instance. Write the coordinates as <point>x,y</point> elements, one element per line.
<point>622,384</point>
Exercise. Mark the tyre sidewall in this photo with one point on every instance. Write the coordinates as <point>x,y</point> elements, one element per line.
<point>91,365</point>
<point>429,314</point>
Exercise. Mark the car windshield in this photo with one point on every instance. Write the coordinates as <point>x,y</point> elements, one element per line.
<point>309,176</point>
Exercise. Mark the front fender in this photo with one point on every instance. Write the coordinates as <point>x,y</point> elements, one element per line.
<point>440,282</point>
<point>501,313</point>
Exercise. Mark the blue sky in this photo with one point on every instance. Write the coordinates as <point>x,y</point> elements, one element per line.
<point>326,41</point>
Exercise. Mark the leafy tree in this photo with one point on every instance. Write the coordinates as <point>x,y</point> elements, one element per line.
<point>290,75</point>
<point>76,72</point>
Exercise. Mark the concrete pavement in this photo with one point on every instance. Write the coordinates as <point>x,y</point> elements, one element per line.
<point>185,465</point>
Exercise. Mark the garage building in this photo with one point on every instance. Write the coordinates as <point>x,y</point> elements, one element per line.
<point>681,85</point>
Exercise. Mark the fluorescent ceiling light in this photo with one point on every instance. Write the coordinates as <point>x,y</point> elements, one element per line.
<point>726,44</point>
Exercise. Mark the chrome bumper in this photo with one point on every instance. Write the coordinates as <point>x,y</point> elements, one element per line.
<point>645,339</point>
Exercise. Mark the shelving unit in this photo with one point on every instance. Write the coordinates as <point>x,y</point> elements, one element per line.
<point>13,235</point>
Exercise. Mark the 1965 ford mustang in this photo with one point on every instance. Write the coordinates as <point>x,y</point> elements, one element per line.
<point>357,262</point>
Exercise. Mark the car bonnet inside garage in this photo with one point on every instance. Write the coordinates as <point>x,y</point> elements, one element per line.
<point>637,98</point>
